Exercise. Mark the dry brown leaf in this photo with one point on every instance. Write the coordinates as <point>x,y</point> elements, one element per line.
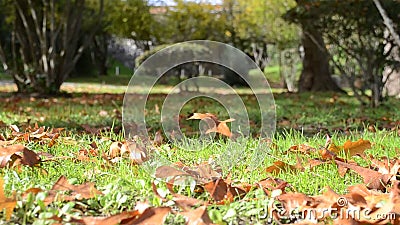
<point>31,191</point>
<point>327,200</point>
<point>137,153</point>
<point>6,203</point>
<point>168,171</point>
<point>158,139</point>
<point>84,155</point>
<point>215,125</point>
<point>315,162</point>
<point>76,192</point>
<point>150,216</point>
<point>198,216</point>
<point>115,149</point>
<point>327,154</point>
<point>334,148</point>
<point>17,154</point>
<point>386,166</point>
<point>222,192</point>
<point>357,147</point>
<point>372,178</point>
<point>279,166</point>
<point>302,148</point>
<point>203,172</point>
<point>103,220</point>
<point>271,184</point>
<point>293,201</point>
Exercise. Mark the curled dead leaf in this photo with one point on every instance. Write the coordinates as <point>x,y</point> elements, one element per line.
<point>17,154</point>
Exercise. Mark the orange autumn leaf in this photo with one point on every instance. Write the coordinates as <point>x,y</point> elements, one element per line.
<point>223,192</point>
<point>6,203</point>
<point>351,148</point>
<point>357,147</point>
<point>327,154</point>
<point>334,148</point>
<point>278,166</point>
<point>215,125</point>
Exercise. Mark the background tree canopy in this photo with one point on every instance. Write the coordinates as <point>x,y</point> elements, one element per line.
<point>42,44</point>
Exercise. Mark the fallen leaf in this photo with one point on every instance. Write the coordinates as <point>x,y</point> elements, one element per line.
<point>293,201</point>
<point>149,216</point>
<point>214,125</point>
<point>271,184</point>
<point>158,139</point>
<point>357,147</point>
<point>327,154</point>
<point>222,192</point>
<point>75,192</point>
<point>373,179</point>
<point>198,216</point>
<point>137,153</point>
<point>302,148</point>
<point>104,220</point>
<point>17,154</point>
<point>115,149</point>
<point>6,203</point>
<point>168,171</point>
<point>279,166</point>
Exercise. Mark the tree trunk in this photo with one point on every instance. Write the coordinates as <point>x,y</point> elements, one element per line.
<point>316,75</point>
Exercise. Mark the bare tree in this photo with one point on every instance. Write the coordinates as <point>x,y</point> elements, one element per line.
<point>47,39</point>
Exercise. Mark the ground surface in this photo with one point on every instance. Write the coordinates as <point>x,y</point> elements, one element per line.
<point>83,151</point>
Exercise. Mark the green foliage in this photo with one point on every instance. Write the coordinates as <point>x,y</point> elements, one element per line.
<point>188,20</point>
<point>139,60</point>
<point>130,18</point>
<point>185,49</point>
<point>260,21</point>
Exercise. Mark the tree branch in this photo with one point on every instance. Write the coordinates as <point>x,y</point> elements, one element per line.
<point>387,21</point>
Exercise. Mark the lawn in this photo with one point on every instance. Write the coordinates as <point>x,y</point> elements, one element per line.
<point>83,151</point>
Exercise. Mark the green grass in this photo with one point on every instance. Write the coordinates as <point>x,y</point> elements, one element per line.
<point>305,118</point>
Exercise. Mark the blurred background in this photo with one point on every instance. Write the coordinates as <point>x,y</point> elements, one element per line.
<point>301,46</point>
